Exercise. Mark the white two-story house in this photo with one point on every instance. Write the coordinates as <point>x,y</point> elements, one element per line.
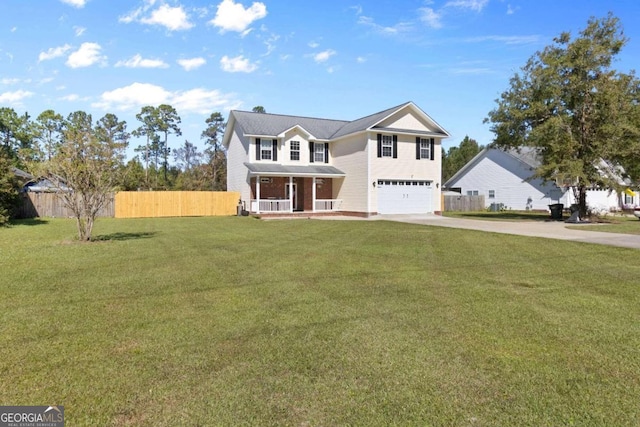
<point>388,162</point>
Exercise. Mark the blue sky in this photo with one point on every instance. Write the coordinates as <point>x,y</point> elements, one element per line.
<point>338,59</point>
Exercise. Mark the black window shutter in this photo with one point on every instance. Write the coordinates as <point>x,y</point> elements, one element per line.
<point>417,148</point>
<point>431,145</point>
<point>257,148</point>
<point>379,145</point>
<point>326,152</point>
<point>274,146</point>
<point>395,146</point>
<point>311,153</point>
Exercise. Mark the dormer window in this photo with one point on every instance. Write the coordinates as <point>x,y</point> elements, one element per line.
<point>294,150</point>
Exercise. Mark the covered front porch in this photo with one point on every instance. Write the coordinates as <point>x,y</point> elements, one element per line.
<point>289,189</point>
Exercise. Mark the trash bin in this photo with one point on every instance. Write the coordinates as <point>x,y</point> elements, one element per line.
<point>556,210</point>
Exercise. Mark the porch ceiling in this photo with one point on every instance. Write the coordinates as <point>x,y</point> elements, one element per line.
<point>287,170</point>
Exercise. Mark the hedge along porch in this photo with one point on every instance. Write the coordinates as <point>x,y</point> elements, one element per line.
<point>277,188</point>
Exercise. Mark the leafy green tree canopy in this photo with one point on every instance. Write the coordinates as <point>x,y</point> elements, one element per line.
<point>87,166</point>
<point>456,157</point>
<point>574,108</point>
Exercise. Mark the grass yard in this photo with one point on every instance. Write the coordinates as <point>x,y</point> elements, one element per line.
<point>237,321</point>
<point>615,224</point>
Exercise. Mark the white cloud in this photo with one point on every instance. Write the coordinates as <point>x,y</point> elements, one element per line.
<point>270,43</point>
<point>172,18</point>
<point>313,45</point>
<point>191,63</point>
<point>73,98</point>
<point>75,3</point>
<point>323,56</point>
<point>79,30</point>
<point>430,17</point>
<point>471,71</point>
<point>70,98</point>
<point>14,97</point>
<point>87,55</point>
<point>511,40</point>
<point>234,17</point>
<point>138,62</point>
<point>133,96</point>
<point>202,101</point>
<point>137,95</point>
<point>7,81</point>
<point>474,5</point>
<point>361,59</point>
<point>398,28</point>
<point>54,52</point>
<point>239,64</point>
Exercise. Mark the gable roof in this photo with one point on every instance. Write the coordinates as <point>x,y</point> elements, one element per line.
<point>531,158</point>
<point>272,125</point>
<point>526,155</point>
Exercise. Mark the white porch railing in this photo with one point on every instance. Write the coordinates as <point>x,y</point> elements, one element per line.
<point>271,205</point>
<point>328,205</point>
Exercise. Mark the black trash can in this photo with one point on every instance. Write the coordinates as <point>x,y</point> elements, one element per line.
<point>556,210</point>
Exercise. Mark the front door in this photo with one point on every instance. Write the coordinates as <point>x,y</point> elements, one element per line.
<point>287,192</point>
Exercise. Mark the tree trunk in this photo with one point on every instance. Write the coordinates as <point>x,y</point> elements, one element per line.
<point>582,201</point>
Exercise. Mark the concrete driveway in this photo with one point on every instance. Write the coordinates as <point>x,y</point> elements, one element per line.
<point>547,229</point>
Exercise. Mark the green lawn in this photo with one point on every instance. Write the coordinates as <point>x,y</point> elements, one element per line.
<point>237,321</point>
<point>615,224</point>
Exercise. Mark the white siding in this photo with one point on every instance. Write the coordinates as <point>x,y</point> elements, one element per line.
<point>237,173</point>
<point>350,156</point>
<point>406,166</point>
<point>508,178</point>
<point>599,201</point>
<point>406,120</point>
<point>284,156</point>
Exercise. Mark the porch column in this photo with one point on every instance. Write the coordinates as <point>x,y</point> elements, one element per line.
<point>258,194</point>
<point>313,194</point>
<point>291,199</point>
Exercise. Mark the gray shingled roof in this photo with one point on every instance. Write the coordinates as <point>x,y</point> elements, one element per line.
<point>527,155</point>
<point>366,122</point>
<point>274,124</point>
<point>313,170</point>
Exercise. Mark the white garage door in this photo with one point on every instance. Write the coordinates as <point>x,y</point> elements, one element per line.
<point>404,197</point>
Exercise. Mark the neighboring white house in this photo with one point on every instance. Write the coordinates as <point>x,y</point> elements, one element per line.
<point>388,162</point>
<point>504,177</point>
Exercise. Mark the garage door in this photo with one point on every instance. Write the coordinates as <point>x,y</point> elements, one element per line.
<point>404,197</point>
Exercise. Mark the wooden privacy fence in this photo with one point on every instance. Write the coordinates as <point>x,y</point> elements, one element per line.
<point>49,205</point>
<point>460,203</point>
<point>153,204</point>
